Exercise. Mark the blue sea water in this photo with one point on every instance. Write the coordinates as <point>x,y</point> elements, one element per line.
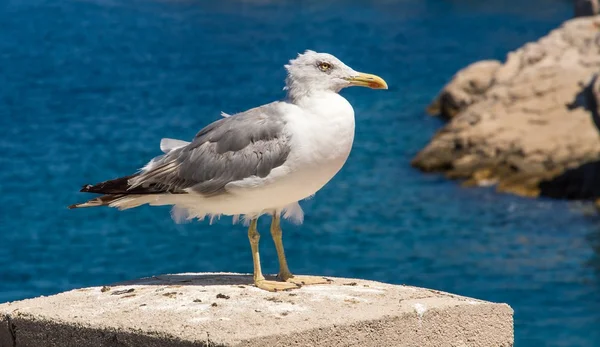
<point>89,87</point>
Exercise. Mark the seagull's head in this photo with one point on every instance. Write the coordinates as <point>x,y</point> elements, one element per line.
<point>312,71</point>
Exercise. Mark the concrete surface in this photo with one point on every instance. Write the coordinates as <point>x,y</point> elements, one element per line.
<point>226,310</point>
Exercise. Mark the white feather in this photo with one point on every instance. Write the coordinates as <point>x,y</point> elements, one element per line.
<point>167,145</point>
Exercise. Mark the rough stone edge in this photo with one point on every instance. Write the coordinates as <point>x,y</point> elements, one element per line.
<point>24,330</point>
<point>7,333</point>
<point>387,331</point>
<point>30,331</point>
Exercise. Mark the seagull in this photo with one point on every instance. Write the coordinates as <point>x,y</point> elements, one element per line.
<point>262,161</point>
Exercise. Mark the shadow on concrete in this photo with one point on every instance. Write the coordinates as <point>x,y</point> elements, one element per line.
<point>43,332</point>
<point>192,279</point>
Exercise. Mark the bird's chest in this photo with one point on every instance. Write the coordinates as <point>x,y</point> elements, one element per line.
<point>330,140</point>
<point>325,136</point>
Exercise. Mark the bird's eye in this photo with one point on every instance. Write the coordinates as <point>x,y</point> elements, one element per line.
<point>324,66</point>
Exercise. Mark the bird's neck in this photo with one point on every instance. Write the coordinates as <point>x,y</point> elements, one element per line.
<point>326,104</point>
<point>298,93</point>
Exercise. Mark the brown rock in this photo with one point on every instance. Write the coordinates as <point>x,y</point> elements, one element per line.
<point>527,122</point>
<point>465,88</point>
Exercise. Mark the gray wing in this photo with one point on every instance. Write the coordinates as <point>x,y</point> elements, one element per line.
<point>250,143</point>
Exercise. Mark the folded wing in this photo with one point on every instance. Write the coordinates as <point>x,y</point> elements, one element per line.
<point>230,149</point>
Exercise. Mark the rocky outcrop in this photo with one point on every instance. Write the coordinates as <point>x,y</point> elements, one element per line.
<point>581,182</point>
<point>466,88</point>
<point>525,123</point>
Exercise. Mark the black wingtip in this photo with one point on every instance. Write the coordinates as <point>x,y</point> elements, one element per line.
<point>70,207</point>
<point>86,188</point>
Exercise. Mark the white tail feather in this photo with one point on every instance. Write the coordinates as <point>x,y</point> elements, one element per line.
<point>131,201</point>
<point>167,145</point>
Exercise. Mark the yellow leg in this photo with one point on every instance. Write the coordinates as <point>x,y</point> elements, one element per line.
<point>259,279</point>
<point>284,271</point>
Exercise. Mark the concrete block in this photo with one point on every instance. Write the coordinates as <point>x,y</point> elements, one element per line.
<point>224,309</point>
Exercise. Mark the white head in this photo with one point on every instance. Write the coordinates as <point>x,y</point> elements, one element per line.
<point>317,72</point>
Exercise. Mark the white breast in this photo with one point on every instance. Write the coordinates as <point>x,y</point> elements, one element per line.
<point>321,136</point>
<point>322,133</point>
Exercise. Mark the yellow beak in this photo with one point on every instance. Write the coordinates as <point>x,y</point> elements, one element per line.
<point>368,80</point>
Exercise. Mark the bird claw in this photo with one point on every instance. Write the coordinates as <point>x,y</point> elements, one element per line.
<point>275,286</point>
<point>308,280</point>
